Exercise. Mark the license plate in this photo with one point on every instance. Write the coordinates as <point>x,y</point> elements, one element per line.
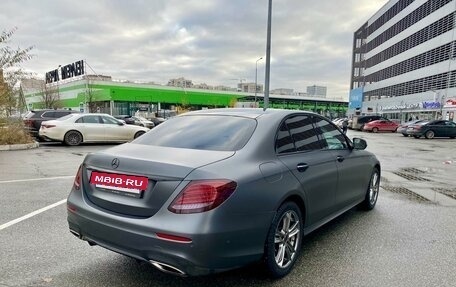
<point>119,182</point>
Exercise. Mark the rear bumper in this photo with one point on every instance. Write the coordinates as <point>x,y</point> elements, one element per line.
<point>413,133</point>
<point>49,135</point>
<point>217,244</point>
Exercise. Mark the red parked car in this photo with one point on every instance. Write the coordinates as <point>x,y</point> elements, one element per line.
<point>380,126</point>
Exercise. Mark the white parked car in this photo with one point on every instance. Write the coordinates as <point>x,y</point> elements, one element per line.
<point>75,129</point>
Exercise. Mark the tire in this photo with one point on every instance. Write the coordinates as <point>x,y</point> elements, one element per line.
<point>138,134</point>
<point>72,138</point>
<point>405,135</point>
<point>375,130</point>
<point>361,128</point>
<point>394,130</point>
<point>141,125</point>
<point>429,134</point>
<point>417,137</point>
<point>284,240</point>
<point>372,191</point>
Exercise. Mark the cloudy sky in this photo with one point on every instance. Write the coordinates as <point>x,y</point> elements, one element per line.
<point>207,41</point>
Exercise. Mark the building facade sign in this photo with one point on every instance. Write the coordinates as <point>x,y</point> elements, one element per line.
<point>66,72</point>
<point>415,106</point>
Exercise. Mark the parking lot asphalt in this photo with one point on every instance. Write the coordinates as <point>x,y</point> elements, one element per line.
<point>404,241</point>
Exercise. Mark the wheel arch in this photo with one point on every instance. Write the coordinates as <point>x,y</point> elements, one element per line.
<point>299,202</point>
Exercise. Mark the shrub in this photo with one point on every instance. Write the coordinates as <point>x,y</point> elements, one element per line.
<point>13,132</point>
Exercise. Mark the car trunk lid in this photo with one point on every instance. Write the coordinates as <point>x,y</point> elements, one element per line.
<point>136,180</point>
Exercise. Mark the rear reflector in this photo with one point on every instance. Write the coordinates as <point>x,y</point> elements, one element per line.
<point>202,195</point>
<point>48,126</point>
<point>71,208</point>
<point>173,238</point>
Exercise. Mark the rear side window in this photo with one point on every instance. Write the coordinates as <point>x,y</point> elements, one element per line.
<point>301,135</point>
<point>284,141</point>
<point>204,132</point>
<point>90,120</point>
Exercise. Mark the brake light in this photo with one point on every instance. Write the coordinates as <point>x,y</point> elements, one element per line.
<point>78,179</point>
<point>202,195</point>
<point>28,123</point>
<point>48,126</point>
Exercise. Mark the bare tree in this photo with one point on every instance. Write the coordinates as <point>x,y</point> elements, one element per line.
<point>91,99</point>
<point>50,96</point>
<point>10,71</point>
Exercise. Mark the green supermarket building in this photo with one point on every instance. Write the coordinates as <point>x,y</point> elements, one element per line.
<point>89,93</point>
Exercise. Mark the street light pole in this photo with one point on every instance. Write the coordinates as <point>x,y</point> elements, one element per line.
<point>256,79</point>
<point>268,58</point>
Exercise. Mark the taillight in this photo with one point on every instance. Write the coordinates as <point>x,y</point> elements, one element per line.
<point>78,179</point>
<point>28,123</point>
<point>48,126</point>
<point>202,195</point>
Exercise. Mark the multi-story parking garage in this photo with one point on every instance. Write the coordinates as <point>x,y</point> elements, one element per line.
<point>404,61</point>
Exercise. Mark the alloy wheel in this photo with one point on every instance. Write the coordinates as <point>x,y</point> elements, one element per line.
<point>374,188</point>
<point>286,240</point>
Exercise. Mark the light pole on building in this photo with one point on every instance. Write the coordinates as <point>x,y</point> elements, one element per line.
<point>256,79</point>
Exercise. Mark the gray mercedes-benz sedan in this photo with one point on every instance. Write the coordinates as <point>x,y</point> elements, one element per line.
<point>214,190</point>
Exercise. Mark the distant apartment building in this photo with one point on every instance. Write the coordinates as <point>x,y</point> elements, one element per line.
<point>180,82</point>
<point>403,61</point>
<point>316,91</point>
<point>250,88</point>
<point>301,94</point>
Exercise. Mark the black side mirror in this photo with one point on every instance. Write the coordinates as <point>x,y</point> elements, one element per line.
<point>359,143</point>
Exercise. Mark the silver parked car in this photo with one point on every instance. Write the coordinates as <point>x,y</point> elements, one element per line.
<point>75,129</point>
<point>214,190</point>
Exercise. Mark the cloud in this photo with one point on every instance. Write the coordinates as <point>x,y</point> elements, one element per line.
<point>212,41</point>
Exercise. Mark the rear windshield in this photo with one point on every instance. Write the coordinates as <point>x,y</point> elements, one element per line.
<point>66,117</point>
<point>204,132</point>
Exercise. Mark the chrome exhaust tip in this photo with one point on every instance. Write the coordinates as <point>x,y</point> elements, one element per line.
<point>167,268</point>
<point>75,233</point>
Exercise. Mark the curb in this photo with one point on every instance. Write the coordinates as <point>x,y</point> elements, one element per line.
<point>19,146</point>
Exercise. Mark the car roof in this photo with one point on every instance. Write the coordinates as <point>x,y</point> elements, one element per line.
<point>246,112</point>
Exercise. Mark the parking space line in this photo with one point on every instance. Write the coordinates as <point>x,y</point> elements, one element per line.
<point>31,214</point>
<point>36,179</point>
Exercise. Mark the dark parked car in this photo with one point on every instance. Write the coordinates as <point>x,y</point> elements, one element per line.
<point>402,128</point>
<point>126,118</point>
<point>156,120</point>
<point>359,122</point>
<point>436,128</point>
<point>214,190</point>
<point>34,118</point>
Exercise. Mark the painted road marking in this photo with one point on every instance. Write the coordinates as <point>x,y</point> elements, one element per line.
<point>36,179</point>
<point>36,212</point>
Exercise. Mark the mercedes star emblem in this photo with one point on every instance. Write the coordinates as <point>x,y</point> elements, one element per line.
<point>115,163</point>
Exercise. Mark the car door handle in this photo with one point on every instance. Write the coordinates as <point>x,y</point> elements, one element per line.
<point>301,167</point>
<point>340,158</point>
